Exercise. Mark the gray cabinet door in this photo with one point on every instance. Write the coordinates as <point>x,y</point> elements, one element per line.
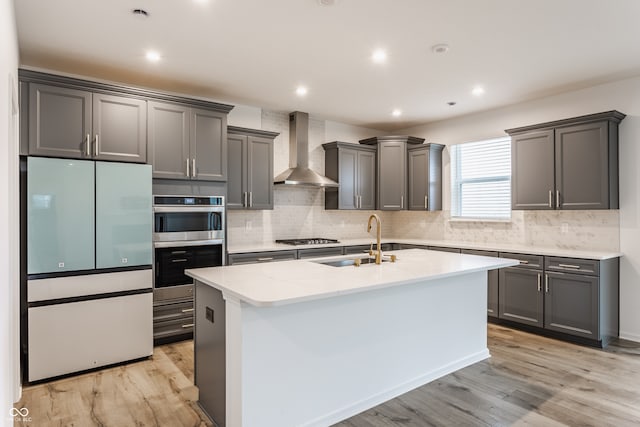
<point>366,180</point>
<point>208,142</point>
<point>119,128</point>
<point>59,122</point>
<point>520,296</point>
<point>571,304</point>
<point>392,175</point>
<point>533,171</point>
<point>582,166</point>
<point>169,140</point>
<point>418,190</point>
<point>347,173</point>
<point>260,172</point>
<point>237,171</point>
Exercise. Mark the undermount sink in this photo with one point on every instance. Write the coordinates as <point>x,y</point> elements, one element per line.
<point>350,261</point>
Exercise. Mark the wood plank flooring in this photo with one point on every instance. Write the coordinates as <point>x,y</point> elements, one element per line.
<point>528,381</point>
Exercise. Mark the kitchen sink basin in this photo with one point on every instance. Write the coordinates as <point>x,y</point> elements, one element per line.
<point>350,261</point>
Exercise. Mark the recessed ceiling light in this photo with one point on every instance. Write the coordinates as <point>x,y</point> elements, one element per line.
<point>396,113</point>
<point>152,56</point>
<point>201,1</point>
<point>478,90</point>
<point>451,103</point>
<point>440,48</point>
<point>327,2</point>
<point>379,56</point>
<point>301,91</point>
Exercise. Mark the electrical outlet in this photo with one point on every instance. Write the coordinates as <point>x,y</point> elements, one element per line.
<point>208,314</point>
<point>564,228</point>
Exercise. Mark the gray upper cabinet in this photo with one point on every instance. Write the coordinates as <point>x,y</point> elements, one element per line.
<point>250,163</point>
<point>567,164</point>
<point>353,166</point>
<point>186,142</point>
<point>391,179</point>
<point>73,123</point>
<point>425,177</point>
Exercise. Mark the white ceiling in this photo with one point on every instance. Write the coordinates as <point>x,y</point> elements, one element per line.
<point>256,52</point>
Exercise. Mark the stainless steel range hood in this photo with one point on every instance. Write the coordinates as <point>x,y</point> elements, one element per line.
<point>299,173</point>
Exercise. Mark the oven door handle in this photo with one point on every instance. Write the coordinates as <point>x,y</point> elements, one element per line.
<point>181,209</point>
<point>187,243</point>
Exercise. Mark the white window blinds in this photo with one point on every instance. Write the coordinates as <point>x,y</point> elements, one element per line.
<point>481,179</point>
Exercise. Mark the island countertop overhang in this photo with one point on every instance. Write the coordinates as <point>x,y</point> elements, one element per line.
<point>289,282</point>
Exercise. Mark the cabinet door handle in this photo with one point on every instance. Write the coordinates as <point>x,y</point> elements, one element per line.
<point>546,283</point>
<point>265,258</point>
<point>360,202</point>
<point>569,266</point>
<point>188,325</point>
<point>179,260</point>
<point>401,202</point>
<point>187,310</point>
<point>426,202</point>
<point>355,201</point>
<point>188,170</point>
<point>539,283</point>
<point>193,167</point>
<point>244,203</point>
<point>87,145</point>
<point>96,152</point>
<point>550,198</point>
<point>557,199</point>
<point>250,199</point>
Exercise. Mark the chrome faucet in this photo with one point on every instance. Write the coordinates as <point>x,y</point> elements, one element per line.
<point>378,236</point>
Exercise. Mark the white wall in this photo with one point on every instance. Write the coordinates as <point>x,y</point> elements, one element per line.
<point>9,242</point>
<point>623,95</point>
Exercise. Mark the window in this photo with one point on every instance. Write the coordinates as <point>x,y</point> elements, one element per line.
<point>481,179</point>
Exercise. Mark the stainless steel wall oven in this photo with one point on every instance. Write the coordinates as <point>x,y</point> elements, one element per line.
<point>188,233</point>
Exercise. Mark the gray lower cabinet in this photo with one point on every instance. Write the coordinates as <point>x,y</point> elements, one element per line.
<point>444,249</point>
<point>187,143</point>
<point>256,257</point>
<point>492,282</point>
<point>319,252</point>
<point>400,246</point>
<point>520,296</point>
<point>566,164</point>
<point>425,177</point>
<point>353,166</point>
<point>74,123</point>
<point>250,164</point>
<point>172,319</point>
<point>210,352</point>
<point>391,180</point>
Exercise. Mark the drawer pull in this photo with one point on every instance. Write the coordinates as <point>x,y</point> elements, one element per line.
<point>188,325</point>
<point>187,310</point>
<point>269,258</point>
<point>178,252</point>
<point>569,266</point>
<point>179,260</point>
<point>523,261</point>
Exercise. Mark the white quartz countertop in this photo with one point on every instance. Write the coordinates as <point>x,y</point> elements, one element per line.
<point>287,282</point>
<point>496,247</point>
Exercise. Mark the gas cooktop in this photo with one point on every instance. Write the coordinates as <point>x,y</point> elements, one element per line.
<point>312,241</point>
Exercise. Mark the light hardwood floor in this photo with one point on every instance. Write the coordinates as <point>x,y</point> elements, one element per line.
<point>529,380</point>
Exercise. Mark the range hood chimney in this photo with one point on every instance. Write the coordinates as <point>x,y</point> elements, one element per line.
<point>299,173</point>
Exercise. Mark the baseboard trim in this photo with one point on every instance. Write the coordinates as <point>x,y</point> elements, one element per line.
<point>630,336</point>
<point>378,398</point>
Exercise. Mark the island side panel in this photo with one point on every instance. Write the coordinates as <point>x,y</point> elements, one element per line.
<point>209,351</point>
<point>319,362</point>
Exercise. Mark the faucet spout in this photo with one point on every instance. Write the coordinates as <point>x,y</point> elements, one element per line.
<point>378,236</point>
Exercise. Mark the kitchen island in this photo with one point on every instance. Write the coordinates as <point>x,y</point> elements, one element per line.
<point>306,343</point>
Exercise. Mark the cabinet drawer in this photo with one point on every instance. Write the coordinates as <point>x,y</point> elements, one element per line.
<point>526,261</point>
<point>173,311</point>
<point>360,249</point>
<point>173,328</point>
<point>481,253</point>
<point>319,252</point>
<point>400,246</point>
<point>572,265</point>
<point>256,257</point>
<point>444,249</point>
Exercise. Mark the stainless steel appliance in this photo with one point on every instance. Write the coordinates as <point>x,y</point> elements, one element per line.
<point>188,233</point>
<point>309,241</point>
